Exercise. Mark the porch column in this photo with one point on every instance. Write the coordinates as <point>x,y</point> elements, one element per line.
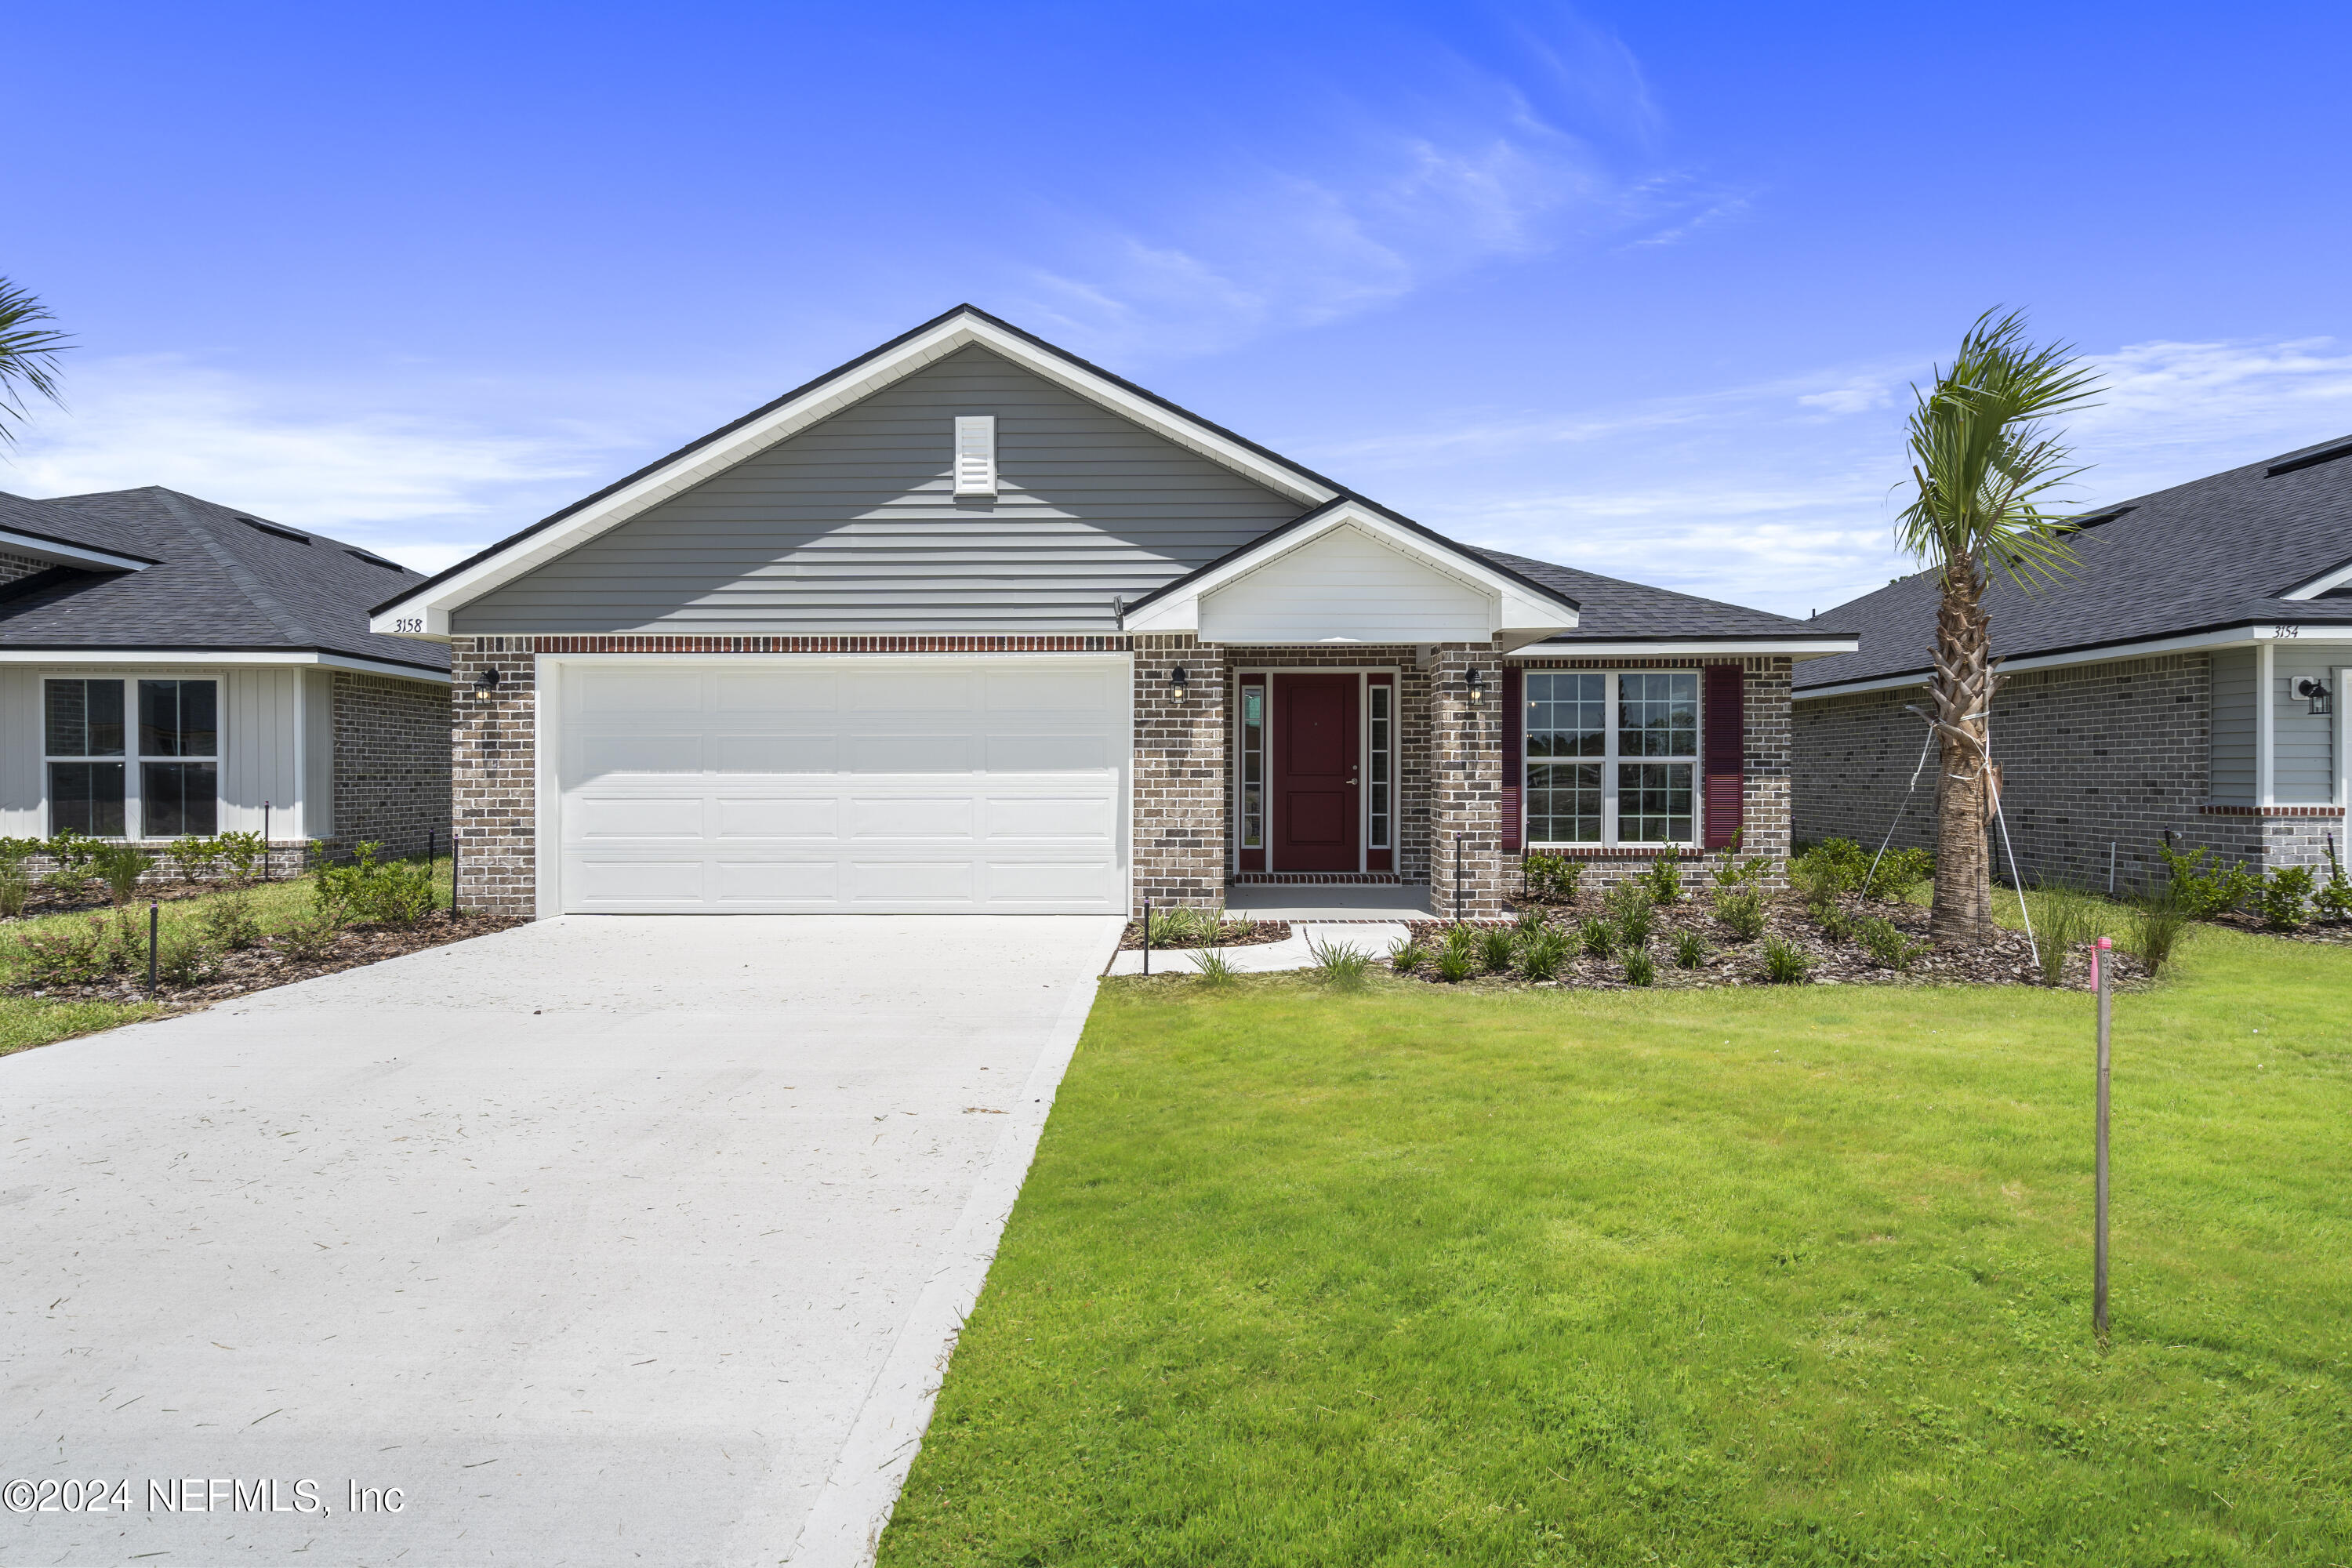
<point>1181,799</point>
<point>1465,784</point>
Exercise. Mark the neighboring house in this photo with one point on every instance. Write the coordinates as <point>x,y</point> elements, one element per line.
<point>969,625</point>
<point>2188,678</point>
<point>171,667</point>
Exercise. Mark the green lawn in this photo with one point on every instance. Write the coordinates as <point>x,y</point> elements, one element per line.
<point>27,1020</point>
<point>1731,1277</point>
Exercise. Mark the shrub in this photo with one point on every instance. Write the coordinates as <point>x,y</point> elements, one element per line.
<point>1817,880</point>
<point>1550,877</point>
<point>1640,968</point>
<point>1530,921</point>
<point>1341,963</point>
<point>2284,897</point>
<point>120,867</point>
<point>1407,956</point>
<point>2063,919</point>
<point>244,855</point>
<point>1785,964</point>
<point>1181,925</point>
<point>1498,949</point>
<point>308,938</point>
<point>1899,871</point>
<point>1463,939</point>
<point>2157,926</point>
<point>227,922</point>
<point>1454,964</point>
<point>1636,916</point>
<point>1597,937</point>
<point>182,957</point>
<point>1887,946</point>
<point>1734,873</point>
<point>2334,899</point>
<point>1541,955</point>
<point>380,891</point>
<point>70,854</point>
<point>1215,968</point>
<point>1690,948</point>
<point>1741,913</point>
<point>196,856</point>
<point>1663,879</point>
<point>68,953</point>
<point>2203,893</point>
<point>15,887</point>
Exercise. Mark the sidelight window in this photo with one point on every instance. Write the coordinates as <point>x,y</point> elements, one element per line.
<point>1253,766</point>
<point>1381,722</point>
<point>1611,758</point>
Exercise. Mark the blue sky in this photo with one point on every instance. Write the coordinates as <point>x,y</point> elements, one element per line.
<point>1635,288</point>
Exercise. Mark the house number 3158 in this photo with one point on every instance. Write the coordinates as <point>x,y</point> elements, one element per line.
<point>409,624</point>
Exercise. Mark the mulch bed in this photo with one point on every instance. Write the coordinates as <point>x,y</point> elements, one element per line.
<point>44,900</point>
<point>264,967</point>
<point>2007,960</point>
<point>2330,934</point>
<point>1255,933</point>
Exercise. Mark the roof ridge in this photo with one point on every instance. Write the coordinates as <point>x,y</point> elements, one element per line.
<point>236,571</point>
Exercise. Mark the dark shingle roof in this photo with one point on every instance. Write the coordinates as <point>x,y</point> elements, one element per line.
<point>1613,610</point>
<point>2216,552</point>
<point>225,580</point>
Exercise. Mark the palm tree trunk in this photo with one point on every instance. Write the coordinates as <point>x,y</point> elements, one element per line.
<point>1964,687</point>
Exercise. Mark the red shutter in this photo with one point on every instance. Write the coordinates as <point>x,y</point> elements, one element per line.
<point>1514,726</point>
<point>1725,709</point>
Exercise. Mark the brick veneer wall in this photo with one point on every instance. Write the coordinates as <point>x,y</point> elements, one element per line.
<point>1466,865</point>
<point>1180,822</point>
<point>494,762</point>
<point>392,762</point>
<point>2090,754</point>
<point>1767,737</point>
<point>13,566</point>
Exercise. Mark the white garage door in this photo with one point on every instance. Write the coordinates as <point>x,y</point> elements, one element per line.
<point>839,785</point>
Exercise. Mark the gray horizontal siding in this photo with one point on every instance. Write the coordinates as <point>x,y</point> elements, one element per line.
<point>853,526</point>
<point>2303,754</point>
<point>2233,777</point>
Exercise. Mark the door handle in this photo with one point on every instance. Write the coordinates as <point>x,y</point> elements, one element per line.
<point>1351,784</point>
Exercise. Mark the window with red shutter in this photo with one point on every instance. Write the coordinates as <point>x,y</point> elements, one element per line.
<point>1726,704</point>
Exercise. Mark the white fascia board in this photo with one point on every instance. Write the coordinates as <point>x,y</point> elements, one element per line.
<point>1797,648</point>
<point>431,606</point>
<point>2327,581</point>
<point>65,554</point>
<point>1509,605</point>
<point>2248,636</point>
<point>199,655</point>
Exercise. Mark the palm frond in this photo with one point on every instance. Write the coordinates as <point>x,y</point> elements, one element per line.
<point>1985,459</point>
<point>28,354</point>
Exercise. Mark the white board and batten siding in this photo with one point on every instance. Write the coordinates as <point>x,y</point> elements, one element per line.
<point>838,785</point>
<point>266,725</point>
<point>1346,586</point>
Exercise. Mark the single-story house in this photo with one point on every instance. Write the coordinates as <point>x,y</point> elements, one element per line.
<point>171,667</point>
<point>970,625</point>
<point>2187,678</point>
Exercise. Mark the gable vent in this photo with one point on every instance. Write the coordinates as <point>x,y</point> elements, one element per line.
<point>975,455</point>
<point>2309,459</point>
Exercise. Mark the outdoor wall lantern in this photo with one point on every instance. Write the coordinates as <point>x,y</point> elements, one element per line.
<point>2322,700</point>
<point>488,681</point>
<point>1476,683</point>
<point>1179,683</point>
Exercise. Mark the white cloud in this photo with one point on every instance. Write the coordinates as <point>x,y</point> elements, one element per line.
<point>426,490</point>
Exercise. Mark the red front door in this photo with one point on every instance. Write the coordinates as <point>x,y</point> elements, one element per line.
<point>1316,749</point>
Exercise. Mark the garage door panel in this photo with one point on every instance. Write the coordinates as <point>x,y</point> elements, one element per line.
<point>1088,819</point>
<point>602,754</point>
<point>739,754</point>
<point>778,816</point>
<point>814,883</point>
<point>912,882</point>
<point>636,816</point>
<point>757,786</point>
<point>912,754</point>
<point>1047,753</point>
<point>903,817</point>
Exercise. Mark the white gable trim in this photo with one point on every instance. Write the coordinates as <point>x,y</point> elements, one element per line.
<point>425,613</point>
<point>1514,610</point>
<point>2325,582</point>
<point>202,656</point>
<point>43,548</point>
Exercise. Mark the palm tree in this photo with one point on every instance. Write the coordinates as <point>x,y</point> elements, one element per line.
<point>1984,461</point>
<point>28,355</point>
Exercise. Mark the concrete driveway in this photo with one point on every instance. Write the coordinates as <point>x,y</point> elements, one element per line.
<point>601,1240</point>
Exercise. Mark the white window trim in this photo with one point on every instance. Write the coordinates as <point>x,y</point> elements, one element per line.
<point>1610,760</point>
<point>138,754</point>
<point>127,757</point>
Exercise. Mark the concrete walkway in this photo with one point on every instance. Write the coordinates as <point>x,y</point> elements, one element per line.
<point>602,1240</point>
<point>1295,951</point>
